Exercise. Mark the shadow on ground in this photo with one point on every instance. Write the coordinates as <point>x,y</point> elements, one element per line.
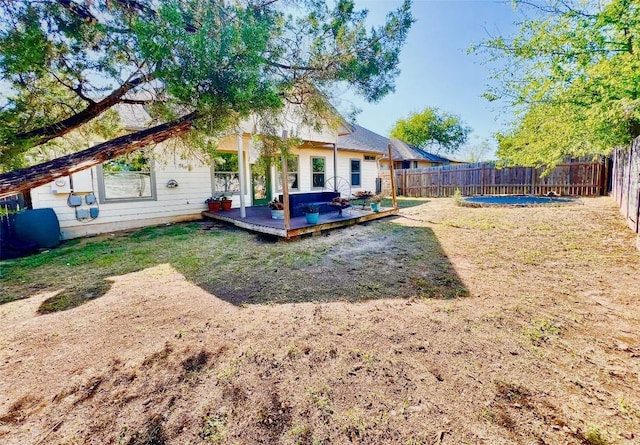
<point>376,260</point>
<point>380,259</point>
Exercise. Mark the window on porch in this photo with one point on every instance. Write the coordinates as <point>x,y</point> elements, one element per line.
<point>292,170</point>
<point>226,176</point>
<point>318,169</point>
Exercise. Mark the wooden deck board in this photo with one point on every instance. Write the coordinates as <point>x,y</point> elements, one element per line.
<point>259,219</point>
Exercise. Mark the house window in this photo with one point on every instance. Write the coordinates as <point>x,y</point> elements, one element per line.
<point>292,171</point>
<point>415,164</point>
<point>226,176</point>
<point>127,178</point>
<point>318,168</point>
<point>355,172</point>
<point>369,158</point>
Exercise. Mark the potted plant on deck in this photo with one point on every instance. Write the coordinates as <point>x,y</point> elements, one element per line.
<point>363,196</point>
<point>375,202</point>
<point>277,209</point>
<point>225,203</point>
<point>311,213</point>
<point>340,204</point>
<point>213,204</point>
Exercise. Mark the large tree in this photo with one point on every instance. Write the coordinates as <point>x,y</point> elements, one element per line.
<point>573,76</point>
<point>64,63</point>
<point>432,129</point>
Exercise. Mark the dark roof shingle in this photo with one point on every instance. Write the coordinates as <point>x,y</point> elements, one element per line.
<point>361,139</point>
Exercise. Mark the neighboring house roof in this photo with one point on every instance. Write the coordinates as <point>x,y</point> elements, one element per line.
<point>433,157</point>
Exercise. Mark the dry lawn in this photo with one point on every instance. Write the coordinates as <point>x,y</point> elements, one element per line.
<point>511,326</point>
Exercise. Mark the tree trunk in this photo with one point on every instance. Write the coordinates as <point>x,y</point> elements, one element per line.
<point>30,177</point>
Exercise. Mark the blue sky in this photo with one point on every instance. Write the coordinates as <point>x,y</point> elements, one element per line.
<point>436,69</point>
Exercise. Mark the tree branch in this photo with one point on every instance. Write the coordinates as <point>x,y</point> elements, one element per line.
<point>136,101</point>
<point>45,134</point>
<point>79,10</point>
<point>30,177</point>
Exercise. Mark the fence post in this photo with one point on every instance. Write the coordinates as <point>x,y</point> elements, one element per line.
<point>482,179</point>
<point>626,212</point>
<point>533,180</point>
<point>405,187</point>
<point>604,176</point>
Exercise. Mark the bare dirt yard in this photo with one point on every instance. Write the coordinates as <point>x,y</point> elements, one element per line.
<point>444,325</point>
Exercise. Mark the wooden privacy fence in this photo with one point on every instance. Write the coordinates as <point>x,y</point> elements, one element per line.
<point>625,183</point>
<point>571,178</point>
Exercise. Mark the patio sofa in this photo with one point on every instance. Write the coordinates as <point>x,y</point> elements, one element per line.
<point>297,201</point>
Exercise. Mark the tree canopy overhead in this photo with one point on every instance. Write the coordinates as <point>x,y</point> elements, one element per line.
<point>65,62</point>
<point>432,129</point>
<point>573,76</point>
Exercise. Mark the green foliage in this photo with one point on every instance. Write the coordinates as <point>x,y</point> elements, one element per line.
<point>432,129</point>
<point>594,436</point>
<point>137,161</point>
<point>541,330</point>
<point>573,75</point>
<point>224,60</point>
<point>226,162</point>
<point>457,196</point>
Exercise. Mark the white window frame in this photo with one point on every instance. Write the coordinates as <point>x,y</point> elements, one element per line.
<point>102,188</point>
<point>324,172</point>
<point>359,173</point>
<point>278,180</point>
<point>215,171</point>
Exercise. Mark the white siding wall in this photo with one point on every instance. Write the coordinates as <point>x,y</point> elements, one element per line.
<point>368,175</point>
<point>304,175</point>
<point>368,170</point>
<point>184,202</point>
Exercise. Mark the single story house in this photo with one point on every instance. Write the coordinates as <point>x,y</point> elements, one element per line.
<point>140,189</point>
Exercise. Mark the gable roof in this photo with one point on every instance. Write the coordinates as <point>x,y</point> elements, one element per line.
<point>362,139</point>
<point>404,152</point>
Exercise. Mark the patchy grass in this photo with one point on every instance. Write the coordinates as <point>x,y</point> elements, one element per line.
<point>242,268</point>
<point>541,330</point>
<point>404,203</point>
<point>207,334</point>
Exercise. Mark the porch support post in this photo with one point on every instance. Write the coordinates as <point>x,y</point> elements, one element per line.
<point>335,167</point>
<point>285,186</point>
<point>392,174</point>
<point>243,179</point>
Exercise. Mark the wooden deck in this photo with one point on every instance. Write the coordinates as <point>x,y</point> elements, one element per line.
<point>259,219</point>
